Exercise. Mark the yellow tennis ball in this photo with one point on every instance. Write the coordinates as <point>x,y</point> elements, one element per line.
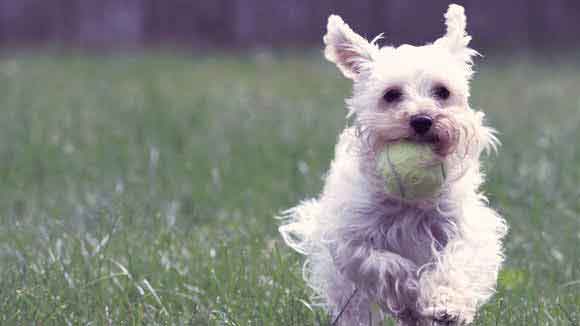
<point>411,170</point>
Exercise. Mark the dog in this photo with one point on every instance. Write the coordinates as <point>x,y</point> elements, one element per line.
<point>433,261</point>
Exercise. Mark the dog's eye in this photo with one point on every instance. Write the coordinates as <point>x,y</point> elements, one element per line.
<point>441,92</point>
<point>393,95</point>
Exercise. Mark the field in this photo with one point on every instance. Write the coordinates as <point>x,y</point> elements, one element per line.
<point>142,190</point>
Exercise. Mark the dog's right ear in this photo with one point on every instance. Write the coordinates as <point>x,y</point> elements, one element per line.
<point>348,50</point>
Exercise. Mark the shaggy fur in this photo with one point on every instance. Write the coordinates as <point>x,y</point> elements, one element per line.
<point>368,253</point>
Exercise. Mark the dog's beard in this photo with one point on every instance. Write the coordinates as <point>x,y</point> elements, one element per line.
<point>454,137</point>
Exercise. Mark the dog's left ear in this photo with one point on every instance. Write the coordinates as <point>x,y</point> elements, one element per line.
<point>349,51</point>
<point>456,40</point>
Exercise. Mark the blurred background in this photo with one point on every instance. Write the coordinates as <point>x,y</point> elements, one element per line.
<point>264,23</point>
<point>147,145</point>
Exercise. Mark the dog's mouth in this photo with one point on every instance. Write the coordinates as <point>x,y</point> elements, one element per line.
<point>443,134</point>
<point>441,146</point>
<point>430,139</point>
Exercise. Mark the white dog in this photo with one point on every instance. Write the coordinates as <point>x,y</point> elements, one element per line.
<point>427,262</point>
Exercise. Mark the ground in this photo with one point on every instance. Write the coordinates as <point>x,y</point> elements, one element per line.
<point>143,189</point>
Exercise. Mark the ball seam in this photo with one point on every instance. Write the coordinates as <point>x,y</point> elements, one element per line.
<point>395,173</point>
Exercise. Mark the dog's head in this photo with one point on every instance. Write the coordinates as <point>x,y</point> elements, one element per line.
<point>410,92</point>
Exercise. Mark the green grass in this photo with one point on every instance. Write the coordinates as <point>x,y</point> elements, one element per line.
<point>142,190</point>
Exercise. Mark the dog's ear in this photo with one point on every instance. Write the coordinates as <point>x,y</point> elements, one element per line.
<point>456,39</point>
<point>348,50</point>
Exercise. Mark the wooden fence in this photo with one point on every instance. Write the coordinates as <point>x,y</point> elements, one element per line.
<point>200,24</point>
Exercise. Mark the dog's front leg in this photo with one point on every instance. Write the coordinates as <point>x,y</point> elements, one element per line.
<point>385,277</point>
<point>464,275</point>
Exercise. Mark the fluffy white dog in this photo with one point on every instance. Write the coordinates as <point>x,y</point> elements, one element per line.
<point>426,262</point>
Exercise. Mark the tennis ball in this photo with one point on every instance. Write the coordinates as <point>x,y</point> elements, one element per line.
<point>411,170</point>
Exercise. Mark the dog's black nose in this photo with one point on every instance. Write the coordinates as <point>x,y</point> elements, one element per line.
<point>421,123</point>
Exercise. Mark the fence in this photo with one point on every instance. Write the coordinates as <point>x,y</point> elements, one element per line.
<point>249,23</point>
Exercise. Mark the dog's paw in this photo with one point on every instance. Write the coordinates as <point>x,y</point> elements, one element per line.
<point>446,319</point>
<point>441,317</point>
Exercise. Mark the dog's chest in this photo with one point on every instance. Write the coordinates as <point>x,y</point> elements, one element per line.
<point>417,238</point>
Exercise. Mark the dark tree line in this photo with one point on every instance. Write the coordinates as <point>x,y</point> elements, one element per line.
<point>202,24</point>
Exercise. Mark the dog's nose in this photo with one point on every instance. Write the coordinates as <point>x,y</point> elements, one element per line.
<point>421,123</point>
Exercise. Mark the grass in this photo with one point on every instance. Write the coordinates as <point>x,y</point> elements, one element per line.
<point>142,190</point>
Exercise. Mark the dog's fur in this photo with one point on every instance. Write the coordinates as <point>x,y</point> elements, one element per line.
<point>369,253</point>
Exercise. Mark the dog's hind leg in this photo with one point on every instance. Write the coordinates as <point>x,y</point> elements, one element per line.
<point>350,306</point>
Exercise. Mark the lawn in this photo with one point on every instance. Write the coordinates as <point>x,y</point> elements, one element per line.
<point>142,189</point>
